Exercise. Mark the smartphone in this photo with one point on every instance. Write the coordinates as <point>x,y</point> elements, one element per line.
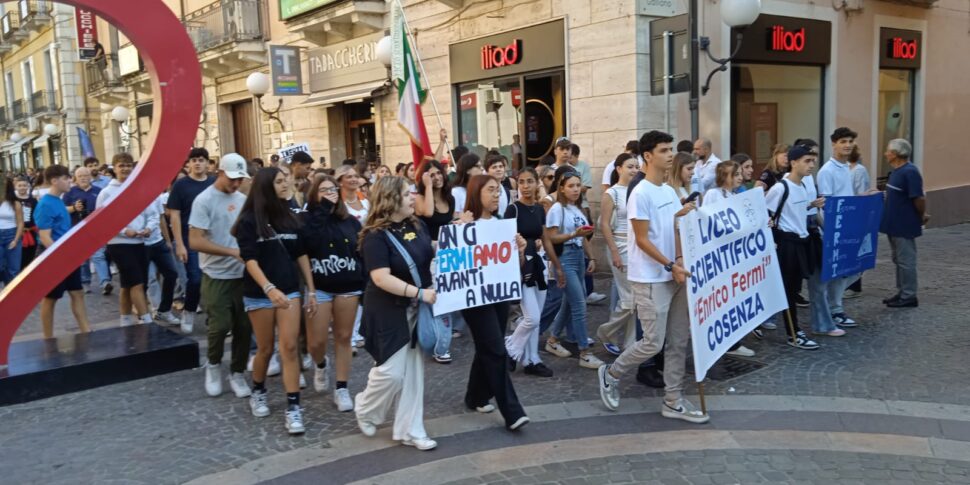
<point>586,228</point>
<point>692,197</point>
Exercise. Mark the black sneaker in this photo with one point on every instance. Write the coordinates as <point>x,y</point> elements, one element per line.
<point>758,333</point>
<point>803,342</point>
<point>904,303</point>
<point>650,377</point>
<point>512,365</point>
<point>800,301</point>
<point>107,288</point>
<point>892,299</point>
<point>539,370</point>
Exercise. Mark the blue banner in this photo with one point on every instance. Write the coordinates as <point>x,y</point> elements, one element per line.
<point>850,235</point>
<point>87,149</point>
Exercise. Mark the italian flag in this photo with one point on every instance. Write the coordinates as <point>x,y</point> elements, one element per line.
<point>410,96</point>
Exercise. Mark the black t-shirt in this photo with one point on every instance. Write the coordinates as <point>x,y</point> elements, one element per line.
<point>181,197</point>
<point>379,252</point>
<point>530,221</point>
<point>28,205</point>
<point>770,178</point>
<point>331,244</point>
<point>276,257</point>
<point>439,219</point>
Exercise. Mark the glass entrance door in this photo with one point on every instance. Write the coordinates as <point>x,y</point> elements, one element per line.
<point>895,114</point>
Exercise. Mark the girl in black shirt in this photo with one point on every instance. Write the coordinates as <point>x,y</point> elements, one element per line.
<point>269,242</point>
<point>489,376</point>
<point>330,239</point>
<point>28,203</point>
<point>523,344</point>
<point>390,315</point>
<point>776,169</point>
<point>434,204</point>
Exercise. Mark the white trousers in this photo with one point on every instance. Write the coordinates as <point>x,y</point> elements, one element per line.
<point>523,344</point>
<point>356,337</point>
<point>398,381</point>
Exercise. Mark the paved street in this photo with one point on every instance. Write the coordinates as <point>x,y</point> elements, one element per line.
<point>888,403</point>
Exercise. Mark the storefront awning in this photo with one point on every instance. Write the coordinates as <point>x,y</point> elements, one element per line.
<point>349,94</point>
<point>16,147</point>
<point>40,141</point>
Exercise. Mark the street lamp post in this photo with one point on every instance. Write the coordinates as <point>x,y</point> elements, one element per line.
<point>258,84</point>
<point>734,13</point>
<point>120,115</point>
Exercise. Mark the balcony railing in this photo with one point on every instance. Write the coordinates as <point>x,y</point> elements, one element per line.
<point>9,24</point>
<point>43,102</point>
<point>224,22</point>
<point>18,110</point>
<point>102,73</point>
<point>31,10</point>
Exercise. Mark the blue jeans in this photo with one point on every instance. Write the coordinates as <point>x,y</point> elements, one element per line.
<point>193,284</point>
<point>100,266</point>
<point>9,258</point>
<point>572,313</point>
<point>836,289</point>
<point>821,313</point>
<point>550,309</point>
<point>163,261</point>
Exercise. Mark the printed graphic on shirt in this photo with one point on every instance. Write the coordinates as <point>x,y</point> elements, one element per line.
<point>332,265</point>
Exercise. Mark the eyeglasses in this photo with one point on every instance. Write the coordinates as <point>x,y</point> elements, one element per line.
<point>329,190</point>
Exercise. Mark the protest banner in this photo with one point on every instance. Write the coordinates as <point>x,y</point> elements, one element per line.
<point>477,264</point>
<point>850,235</point>
<point>286,153</point>
<point>735,282</point>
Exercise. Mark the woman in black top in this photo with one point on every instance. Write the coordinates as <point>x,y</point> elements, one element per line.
<point>390,315</point>
<point>27,203</point>
<point>776,168</point>
<point>330,238</point>
<point>523,344</point>
<point>489,376</point>
<point>269,242</point>
<point>434,204</point>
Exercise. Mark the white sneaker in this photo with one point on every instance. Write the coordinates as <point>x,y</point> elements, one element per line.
<point>423,444</point>
<point>589,361</point>
<point>556,348</point>
<point>487,408</point>
<point>294,420</point>
<point>341,397</point>
<point>257,404</point>
<point>321,379</point>
<point>741,351</point>
<point>274,365</point>
<point>367,428</point>
<point>302,381</point>
<point>126,320</point>
<point>307,362</point>
<point>249,365</point>
<point>166,318</point>
<point>609,388</point>
<point>239,385</point>
<point>684,410</point>
<point>213,379</point>
<point>188,321</point>
<point>595,298</point>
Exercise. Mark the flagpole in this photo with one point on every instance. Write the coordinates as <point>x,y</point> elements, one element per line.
<point>434,104</point>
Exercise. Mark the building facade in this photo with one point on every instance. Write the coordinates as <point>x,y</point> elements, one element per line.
<point>516,75</point>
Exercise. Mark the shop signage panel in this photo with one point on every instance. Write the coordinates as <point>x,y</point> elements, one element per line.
<point>345,64</point>
<point>530,49</point>
<point>87,32</point>
<point>286,72</point>
<point>785,40</point>
<point>469,101</point>
<point>900,49</point>
<point>679,54</point>
<point>292,8</point>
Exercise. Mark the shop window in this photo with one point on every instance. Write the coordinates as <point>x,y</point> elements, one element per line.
<point>895,113</point>
<point>773,104</point>
<point>37,158</point>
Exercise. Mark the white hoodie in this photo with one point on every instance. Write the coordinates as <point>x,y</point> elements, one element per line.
<point>138,224</point>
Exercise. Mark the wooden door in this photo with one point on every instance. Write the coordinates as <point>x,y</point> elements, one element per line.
<point>244,129</point>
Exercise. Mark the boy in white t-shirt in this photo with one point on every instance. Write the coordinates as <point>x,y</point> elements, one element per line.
<point>657,279</point>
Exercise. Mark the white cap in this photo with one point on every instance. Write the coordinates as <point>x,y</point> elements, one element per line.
<point>234,165</point>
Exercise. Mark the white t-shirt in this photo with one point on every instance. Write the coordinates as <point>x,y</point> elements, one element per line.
<point>835,179</point>
<point>618,194</point>
<point>503,199</point>
<point>216,212</point>
<point>459,193</point>
<point>611,167</point>
<point>658,204</point>
<point>360,215</point>
<point>794,213</point>
<point>8,218</point>
<point>715,195</point>
<point>567,220</point>
<point>809,182</point>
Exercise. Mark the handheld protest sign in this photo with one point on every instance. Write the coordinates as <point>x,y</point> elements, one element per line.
<point>173,67</point>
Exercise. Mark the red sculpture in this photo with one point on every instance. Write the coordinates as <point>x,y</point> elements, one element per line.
<point>172,64</point>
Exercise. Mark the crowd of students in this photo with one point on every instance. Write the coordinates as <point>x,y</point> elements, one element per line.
<point>285,254</point>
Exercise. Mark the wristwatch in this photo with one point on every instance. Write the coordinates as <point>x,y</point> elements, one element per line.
<point>669,267</point>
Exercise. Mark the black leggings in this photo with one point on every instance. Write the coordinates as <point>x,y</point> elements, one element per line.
<point>489,376</point>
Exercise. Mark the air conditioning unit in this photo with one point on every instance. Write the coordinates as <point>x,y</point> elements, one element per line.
<point>492,96</point>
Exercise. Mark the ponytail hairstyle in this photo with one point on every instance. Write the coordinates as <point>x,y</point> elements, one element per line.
<point>617,165</point>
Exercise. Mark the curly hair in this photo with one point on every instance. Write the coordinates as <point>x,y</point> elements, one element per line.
<point>385,200</point>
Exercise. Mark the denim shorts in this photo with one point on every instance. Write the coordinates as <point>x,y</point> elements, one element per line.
<point>324,297</point>
<point>251,304</point>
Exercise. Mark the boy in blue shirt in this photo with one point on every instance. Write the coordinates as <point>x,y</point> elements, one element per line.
<point>53,221</point>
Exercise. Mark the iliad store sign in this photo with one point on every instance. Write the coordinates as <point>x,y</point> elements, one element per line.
<point>497,56</point>
<point>786,40</point>
<point>899,48</point>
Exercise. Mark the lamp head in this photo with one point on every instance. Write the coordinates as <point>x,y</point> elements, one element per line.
<point>16,137</point>
<point>119,114</point>
<point>258,84</point>
<point>384,48</point>
<point>740,13</point>
<point>50,129</point>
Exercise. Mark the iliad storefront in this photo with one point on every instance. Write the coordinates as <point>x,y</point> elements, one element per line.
<point>510,92</point>
<point>777,84</point>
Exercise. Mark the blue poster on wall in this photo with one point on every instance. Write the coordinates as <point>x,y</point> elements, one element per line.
<point>850,235</point>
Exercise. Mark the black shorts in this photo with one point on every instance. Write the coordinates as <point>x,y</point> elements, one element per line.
<point>71,283</point>
<point>132,263</point>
